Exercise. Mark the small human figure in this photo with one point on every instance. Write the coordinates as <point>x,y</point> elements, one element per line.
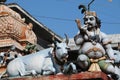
<point>30,48</point>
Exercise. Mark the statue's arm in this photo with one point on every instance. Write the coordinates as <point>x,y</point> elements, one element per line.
<point>107,45</point>
<point>78,39</point>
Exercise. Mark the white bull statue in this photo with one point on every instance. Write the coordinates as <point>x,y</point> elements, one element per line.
<point>45,62</point>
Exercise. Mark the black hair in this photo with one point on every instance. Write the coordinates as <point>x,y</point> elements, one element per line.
<point>98,21</point>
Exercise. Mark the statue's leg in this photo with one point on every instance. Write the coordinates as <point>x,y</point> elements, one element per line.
<point>17,68</point>
<point>72,67</point>
<point>47,72</point>
<point>109,68</point>
<point>83,61</point>
<point>30,72</point>
<point>69,68</point>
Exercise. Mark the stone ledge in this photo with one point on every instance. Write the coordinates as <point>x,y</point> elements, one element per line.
<point>79,76</point>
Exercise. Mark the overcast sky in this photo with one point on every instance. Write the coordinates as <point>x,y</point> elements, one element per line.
<point>60,15</point>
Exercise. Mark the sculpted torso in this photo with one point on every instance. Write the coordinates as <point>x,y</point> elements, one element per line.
<point>93,51</point>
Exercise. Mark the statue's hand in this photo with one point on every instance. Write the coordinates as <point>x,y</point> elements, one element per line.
<point>83,30</point>
<point>77,21</point>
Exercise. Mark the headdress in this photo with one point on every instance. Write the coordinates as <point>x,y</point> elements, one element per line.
<point>87,11</point>
<point>90,13</point>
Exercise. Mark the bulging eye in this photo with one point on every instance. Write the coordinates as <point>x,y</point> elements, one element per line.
<point>91,18</point>
<point>58,47</point>
<point>85,19</point>
<point>68,48</point>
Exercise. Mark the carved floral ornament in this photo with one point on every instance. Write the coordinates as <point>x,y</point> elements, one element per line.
<point>13,26</point>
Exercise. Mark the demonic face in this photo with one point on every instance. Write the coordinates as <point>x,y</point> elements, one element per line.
<point>90,21</point>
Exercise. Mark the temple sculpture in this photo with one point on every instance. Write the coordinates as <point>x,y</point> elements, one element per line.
<point>15,35</point>
<point>95,53</point>
<point>14,30</point>
<point>95,59</point>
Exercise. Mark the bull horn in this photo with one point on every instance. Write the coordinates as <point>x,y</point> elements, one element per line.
<point>53,38</point>
<point>67,39</point>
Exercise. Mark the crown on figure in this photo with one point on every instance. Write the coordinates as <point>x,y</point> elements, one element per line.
<point>90,13</point>
<point>86,10</point>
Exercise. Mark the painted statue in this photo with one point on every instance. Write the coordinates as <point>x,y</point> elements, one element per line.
<point>95,53</point>
<point>44,62</point>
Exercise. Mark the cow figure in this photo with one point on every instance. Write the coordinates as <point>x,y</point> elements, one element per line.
<point>45,62</point>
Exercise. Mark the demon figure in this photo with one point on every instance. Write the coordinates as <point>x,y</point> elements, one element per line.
<point>95,53</point>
